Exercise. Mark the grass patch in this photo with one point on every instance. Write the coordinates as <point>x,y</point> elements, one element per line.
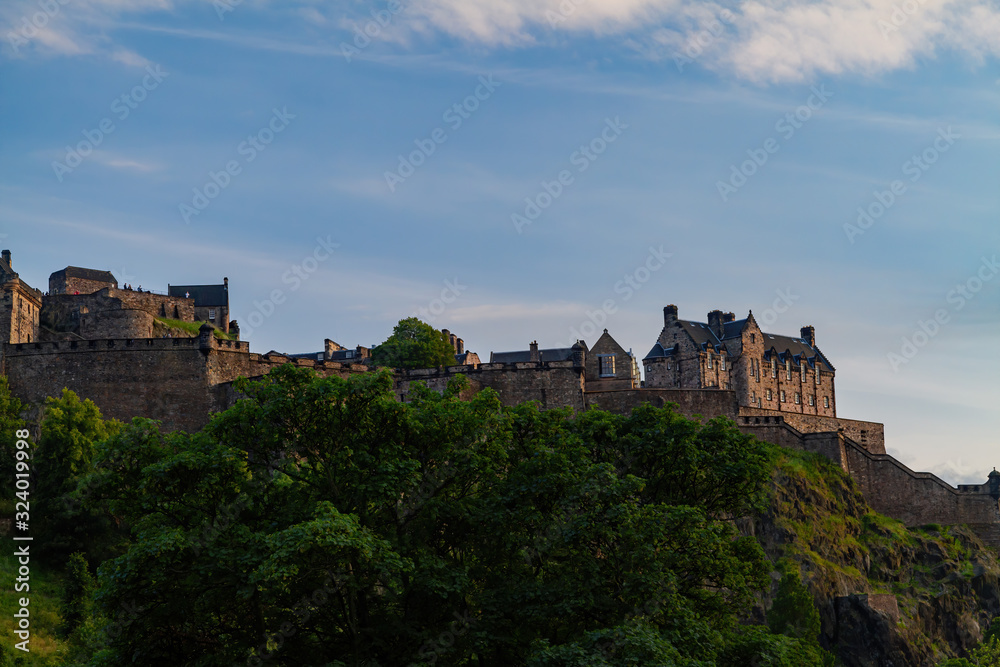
<point>193,328</point>
<point>45,602</point>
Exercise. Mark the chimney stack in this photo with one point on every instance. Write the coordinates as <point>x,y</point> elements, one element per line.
<point>808,334</point>
<point>715,322</point>
<point>669,315</point>
<point>534,351</point>
<point>6,258</point>
<point>225,282</point>
<point>460,346</point>
<point>728,317</point>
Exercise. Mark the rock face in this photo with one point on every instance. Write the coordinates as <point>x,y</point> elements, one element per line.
<point>888,596</point>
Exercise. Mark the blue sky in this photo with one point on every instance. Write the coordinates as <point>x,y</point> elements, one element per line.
<point>652,112</point>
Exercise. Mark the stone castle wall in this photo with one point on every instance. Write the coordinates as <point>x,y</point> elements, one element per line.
<point>116,324</point>
<point>871,435</point>
<point>552,383</point>
<point>65,312</point>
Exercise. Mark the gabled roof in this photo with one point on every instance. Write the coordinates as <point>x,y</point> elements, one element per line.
<point>733,329</point>
<point>659,352</point>
<point>550,354</point>
<point>203,295</point>
<point>87,274</point>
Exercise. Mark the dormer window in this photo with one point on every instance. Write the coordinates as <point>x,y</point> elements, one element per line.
<point>788,369</point>
<point>817,373</point>
<point>802,370</point>
<point>709,359</point>
<point>722,362</point>
<point>774,368</point>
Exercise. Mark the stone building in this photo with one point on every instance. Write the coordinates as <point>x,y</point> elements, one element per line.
<point>77,280</point>
<point>609,366</point>
<point>211,302</point>
<point>20,306</point>
<point>767,371</point>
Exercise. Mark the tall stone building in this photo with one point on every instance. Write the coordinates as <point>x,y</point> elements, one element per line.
<point>20,306</point>
<point>766,371</point>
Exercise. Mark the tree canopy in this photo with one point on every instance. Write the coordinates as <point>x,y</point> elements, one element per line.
<point>414,344</point>
<point>320,521</point>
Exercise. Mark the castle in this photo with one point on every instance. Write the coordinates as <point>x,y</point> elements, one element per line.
<point>126,350</point>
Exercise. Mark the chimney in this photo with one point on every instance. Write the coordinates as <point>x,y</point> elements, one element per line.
<point>461,346</point>
<point>728,317</point>
<point>669,315</point>
<point>534,351</point>
<point>6,258</point>
<point>808,334</point>
<point>715,322</point>
<point>453,339</point>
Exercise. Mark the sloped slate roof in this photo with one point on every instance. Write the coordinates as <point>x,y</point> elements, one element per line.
<point>704,337</point>
<point>87,274</point>
<point>659,352</point>
<point>203,295</point>
<point>551,354</point>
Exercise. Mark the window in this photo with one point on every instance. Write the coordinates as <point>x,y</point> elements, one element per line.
<point>826,401</point>
<point>753,397</point>
<point>211,314</point>
<point>709,359</point>
<point>649,369</point>
<point>797,401</point>
<point>774,368</point>
<point>782,395</point>
<point>812,400</point>
<point>788,369</point>
<point>769,394</point>
<point>817,373</point>
<point>670,366</point>
<point>753,338</point>
<point>722,362</point>
<point>802,370</point>
<point>607,362</point>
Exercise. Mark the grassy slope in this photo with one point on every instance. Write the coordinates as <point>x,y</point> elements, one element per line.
<point>46,648</point>
<point>945,581</point>
<point>191,328</point>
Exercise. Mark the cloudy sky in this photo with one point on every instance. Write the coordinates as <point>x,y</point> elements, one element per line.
<point>531,169</point>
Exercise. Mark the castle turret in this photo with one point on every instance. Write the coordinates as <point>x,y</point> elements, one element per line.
<point>579,355</point>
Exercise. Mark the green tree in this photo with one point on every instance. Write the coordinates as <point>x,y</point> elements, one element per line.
<point>70,432</point>
<point>794,613</point>
<point>321,521</point>
<point>11,409</point>
<point>414,344</point>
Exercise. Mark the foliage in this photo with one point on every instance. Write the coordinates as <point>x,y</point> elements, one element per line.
<point>11,409</point>
<point>794,613</point>
<point>70,431</point>
<point>320,521</point>
<point>414,344</point>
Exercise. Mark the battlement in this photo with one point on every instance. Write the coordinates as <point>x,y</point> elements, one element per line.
<point>120,344</point>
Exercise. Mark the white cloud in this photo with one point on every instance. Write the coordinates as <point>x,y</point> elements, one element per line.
<point>763,41</point>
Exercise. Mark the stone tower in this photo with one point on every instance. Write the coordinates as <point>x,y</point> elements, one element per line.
<point>20,305</point>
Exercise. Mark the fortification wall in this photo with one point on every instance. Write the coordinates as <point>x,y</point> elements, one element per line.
<point>72,285</point>
<point>870,435</point>
<point>157,305</point>
<point>116,324</point>
<point>706,402</point>
<point>162,379</point>
<point>554,384</point>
